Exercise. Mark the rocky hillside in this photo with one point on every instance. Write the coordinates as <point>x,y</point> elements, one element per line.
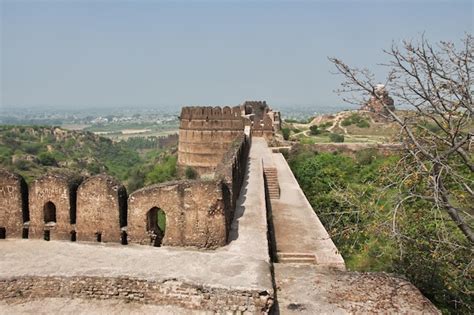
<point>33,150</point>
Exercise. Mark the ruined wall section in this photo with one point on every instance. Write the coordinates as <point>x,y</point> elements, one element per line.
<point>52,205</point>
<point>194,212</point>
<point>206,299</point>
<point>101,209</point>
<point>205,135</point>
<point>231,172</point>
<point>13,204</point>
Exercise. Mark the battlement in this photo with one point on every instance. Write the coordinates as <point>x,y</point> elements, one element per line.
<point>210,113</point>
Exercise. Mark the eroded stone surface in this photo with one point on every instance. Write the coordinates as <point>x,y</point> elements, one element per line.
<point>101,209</point>
<point>52,201</point>
<point>13,203</point>
<point>308,289</point>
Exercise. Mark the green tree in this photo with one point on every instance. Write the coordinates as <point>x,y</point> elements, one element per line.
<point>314,130</point>
<point>286,133</point>
<point>335,137</point>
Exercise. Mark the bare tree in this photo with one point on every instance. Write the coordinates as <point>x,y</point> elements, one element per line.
<point>436,81</point>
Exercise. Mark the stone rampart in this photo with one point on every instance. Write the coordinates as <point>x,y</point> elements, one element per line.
<point>13,204</point>
<point>101,209</point>
<point>231,170</point>
<point>52,206</point>
<point>194,213</point>
<point>171,292</point>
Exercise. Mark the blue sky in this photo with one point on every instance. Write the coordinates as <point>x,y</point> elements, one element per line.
<point>144,53</point>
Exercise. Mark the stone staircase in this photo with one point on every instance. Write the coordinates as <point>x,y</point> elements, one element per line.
<point>296,258</point>
<point>271,177</point>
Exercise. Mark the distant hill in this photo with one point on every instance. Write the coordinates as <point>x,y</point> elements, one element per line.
<point>34,150</point>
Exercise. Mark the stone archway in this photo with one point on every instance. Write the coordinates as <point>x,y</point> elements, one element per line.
<point>49,212</point>
<point>156,225</point>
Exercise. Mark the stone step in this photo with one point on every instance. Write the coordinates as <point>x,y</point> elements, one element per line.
<point>296,258</point>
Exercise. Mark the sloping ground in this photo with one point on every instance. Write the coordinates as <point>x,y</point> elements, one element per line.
<point>236,277</point>
<point>306,289</point>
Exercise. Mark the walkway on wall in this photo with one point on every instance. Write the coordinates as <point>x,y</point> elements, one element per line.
<point>309,273</point>
<point>299,235</point>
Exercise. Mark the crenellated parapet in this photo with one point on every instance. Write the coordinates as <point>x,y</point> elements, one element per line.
<point>64,206</point>
<point>209,112</point>
<point>101,209</point>
<point>52,205</point>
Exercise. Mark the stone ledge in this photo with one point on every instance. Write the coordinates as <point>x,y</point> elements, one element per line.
<point>169,292</point>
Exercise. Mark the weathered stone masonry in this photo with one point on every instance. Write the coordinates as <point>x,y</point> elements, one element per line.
<point>13,204</point>
<point>101,209</point>
<point>197,213</point>
<point>169,292</point>
<point>52,206</point>
<point>194,213</point>
<point>205,134</point>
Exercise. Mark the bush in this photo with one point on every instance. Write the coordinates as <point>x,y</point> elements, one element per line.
<point>47,159</point>
<point>335,137</point>
<point>190,173</point>
<point>366,156</point>
<point>286,133</point>
<point>314,130</point>
<point>163,172</point>
<point>355,119</point>
<point>363,124</point>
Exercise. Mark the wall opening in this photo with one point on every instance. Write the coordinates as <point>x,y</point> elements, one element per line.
<point>47,235</point>
<point>49,212</point>
<point>73,236</point>
<point>24,233</point>
<point>3,233</point>
<point>98,236</point>
<point>123,238</point>
<point>156,225</point>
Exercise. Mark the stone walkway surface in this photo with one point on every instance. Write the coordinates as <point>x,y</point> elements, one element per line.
<point>243,264</point>
<point>307,289</point>
<point>297,228</point>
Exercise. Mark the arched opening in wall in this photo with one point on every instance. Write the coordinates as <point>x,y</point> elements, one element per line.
<point>156,225</point>
<point>49,212</point>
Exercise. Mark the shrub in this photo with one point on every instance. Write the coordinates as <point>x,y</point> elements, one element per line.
<point>47,159</point>
<point>162,172</point>
<point>363,124</point>
<point>366,156</point>
<point>190,173</point>
<point>286,133</point>
<point>335,137</point>
<point>314,130</point>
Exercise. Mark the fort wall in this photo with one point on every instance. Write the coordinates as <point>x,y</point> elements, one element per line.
<point>13,204</point>
<point>169,292</point>
<point>52,206</point>
<point>101,209</point>
<point>231,172</point>
<point>64,207</point>
<point>194,213</point>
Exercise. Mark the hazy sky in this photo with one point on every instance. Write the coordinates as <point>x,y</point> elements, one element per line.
<point>119,53</point>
